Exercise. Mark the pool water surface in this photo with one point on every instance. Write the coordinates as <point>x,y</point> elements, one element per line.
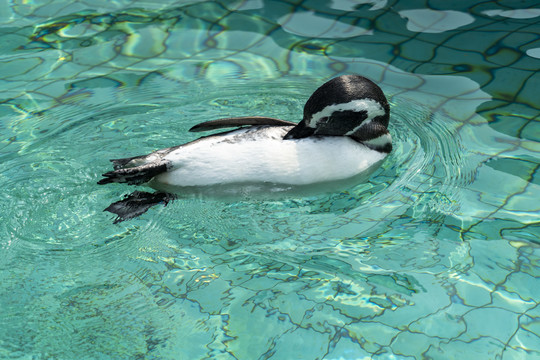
<point>436,256</point>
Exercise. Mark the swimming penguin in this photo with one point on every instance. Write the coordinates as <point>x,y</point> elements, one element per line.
<point>343,134</point>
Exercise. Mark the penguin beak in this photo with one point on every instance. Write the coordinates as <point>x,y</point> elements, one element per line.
<point>299,131</point>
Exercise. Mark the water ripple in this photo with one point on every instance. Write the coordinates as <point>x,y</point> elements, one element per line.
<point>385,257</point>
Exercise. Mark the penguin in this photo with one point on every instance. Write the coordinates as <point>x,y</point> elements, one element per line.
<point>343,134</point>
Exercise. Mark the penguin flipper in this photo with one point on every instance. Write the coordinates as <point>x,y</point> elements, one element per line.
<point>239,121</point>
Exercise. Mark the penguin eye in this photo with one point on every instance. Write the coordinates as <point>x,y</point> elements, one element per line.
<point>349,117</point>
<point>323,120</point>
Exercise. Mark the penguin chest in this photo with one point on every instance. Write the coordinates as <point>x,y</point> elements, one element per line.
<point>268,159</point>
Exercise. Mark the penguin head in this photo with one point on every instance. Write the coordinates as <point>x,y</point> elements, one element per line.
<point>348,105</point>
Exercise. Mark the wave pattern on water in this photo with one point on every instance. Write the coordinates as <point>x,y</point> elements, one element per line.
<point>436,255</point>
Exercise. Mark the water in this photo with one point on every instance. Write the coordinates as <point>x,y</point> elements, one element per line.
<point>436,256</point>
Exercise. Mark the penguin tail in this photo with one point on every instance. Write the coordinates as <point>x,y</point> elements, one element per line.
<point>133,175</point>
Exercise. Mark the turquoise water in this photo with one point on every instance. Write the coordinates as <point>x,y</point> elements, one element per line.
<point>436,256</point>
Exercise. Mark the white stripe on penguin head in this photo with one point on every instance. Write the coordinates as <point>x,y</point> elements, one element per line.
<point>379,141</point>
<point>371,107</point>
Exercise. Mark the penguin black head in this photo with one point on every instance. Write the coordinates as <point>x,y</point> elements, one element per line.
<point>348,105</point>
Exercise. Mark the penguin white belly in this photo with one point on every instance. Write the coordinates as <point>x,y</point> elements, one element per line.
<point>262,156</point>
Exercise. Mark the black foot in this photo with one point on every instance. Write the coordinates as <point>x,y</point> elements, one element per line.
<point>136,204</point>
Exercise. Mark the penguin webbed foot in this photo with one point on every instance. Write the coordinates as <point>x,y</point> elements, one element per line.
<point>136,204</point>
